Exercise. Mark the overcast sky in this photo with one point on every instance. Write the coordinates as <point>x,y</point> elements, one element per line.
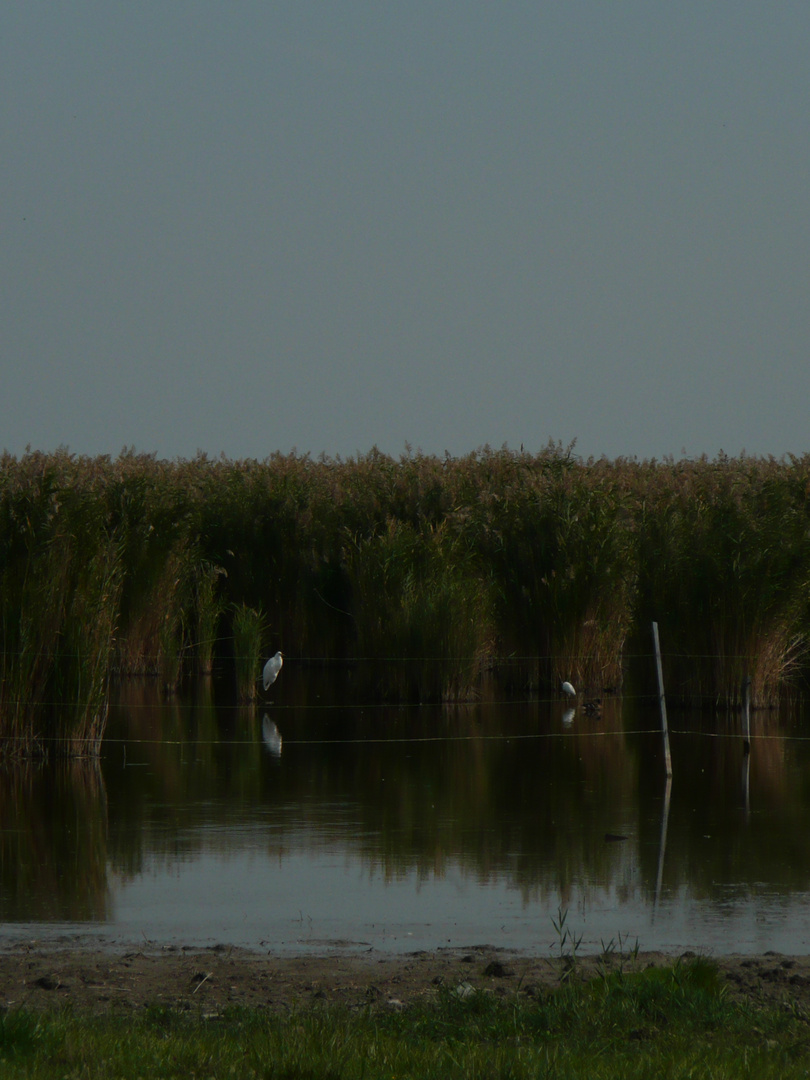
<point>247,227</point>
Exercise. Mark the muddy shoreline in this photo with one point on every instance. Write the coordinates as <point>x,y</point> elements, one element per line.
<point>38,976</point>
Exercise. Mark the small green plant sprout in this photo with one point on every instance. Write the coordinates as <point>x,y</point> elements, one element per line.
<point>617,950</point>
<point>568,942</point>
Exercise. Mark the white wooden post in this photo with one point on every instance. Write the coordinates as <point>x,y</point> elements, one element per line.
<point>662,701</point>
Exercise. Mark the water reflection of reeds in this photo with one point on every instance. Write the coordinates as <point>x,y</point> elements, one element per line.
<point>438,790</point>
<point>53,843</point>
<point>496,792</point>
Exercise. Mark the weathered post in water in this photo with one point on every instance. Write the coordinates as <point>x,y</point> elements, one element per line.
<point>746,714</point>
<point>662,701</point>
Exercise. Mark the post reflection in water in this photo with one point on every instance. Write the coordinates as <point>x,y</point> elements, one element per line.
<point>662,846</point>
<point>413,827</point>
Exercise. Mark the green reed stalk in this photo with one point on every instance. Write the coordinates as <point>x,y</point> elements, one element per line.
<point>249,633</point>
<point>86,648</point>
<point>209,608</point>
<point>420,611</point>
<point>61,581</point>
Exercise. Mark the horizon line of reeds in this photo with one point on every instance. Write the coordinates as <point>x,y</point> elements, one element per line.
<point>135,565</point>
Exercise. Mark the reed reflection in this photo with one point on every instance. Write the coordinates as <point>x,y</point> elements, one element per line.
<point>53,843</point>
<point>499,794</point>
<point>523,792</point>
<point>736,822</point>
<point>518,793</point>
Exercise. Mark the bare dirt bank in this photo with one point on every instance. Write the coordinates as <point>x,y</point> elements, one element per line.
<point>35,976</point>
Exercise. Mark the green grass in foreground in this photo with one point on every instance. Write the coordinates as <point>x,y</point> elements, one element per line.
<point>674,1022</point>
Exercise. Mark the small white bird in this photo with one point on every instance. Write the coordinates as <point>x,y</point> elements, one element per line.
<point>568,689</point>
<point>271,669</point>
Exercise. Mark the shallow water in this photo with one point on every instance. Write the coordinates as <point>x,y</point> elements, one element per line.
<point>317,821</point>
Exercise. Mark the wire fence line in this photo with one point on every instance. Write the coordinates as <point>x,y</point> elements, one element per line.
<point>293,706</point>
<point>479,702</point>
<point>417,739</point>
<point>488,661</point>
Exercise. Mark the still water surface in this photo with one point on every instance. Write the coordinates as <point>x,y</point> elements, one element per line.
<point>318,822</point>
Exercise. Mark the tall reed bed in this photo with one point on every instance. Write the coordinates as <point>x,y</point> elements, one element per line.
<point>724,564</point>
<point>557,538</point>
<point>421,615</point>
<point>61,576</point>
<point>539,567</point>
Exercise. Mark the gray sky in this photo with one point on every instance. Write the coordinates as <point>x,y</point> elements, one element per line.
<point>246,227</point>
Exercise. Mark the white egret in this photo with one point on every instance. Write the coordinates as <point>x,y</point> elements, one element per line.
<point>568,717</point>
<point>271,669</point>
<point>568,689</point>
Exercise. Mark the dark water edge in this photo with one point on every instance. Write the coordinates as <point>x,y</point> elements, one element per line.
<point>318,821</point>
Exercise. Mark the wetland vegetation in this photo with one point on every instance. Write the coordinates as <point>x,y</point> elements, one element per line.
<point>428,575</point>
<point>677,1021</point>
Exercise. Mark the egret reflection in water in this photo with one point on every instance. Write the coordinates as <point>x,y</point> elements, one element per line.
<point>271,736</point>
